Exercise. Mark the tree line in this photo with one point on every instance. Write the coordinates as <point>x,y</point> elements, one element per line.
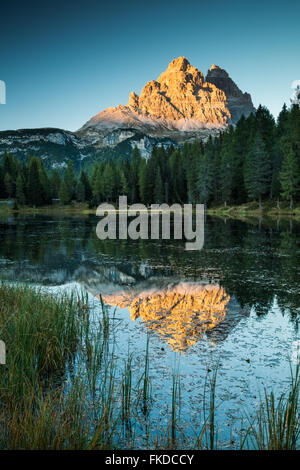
<point>258,159</point>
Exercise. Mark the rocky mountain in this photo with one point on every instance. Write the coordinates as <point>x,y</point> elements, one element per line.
<point>56,146</point>
<point>238,102</point>
<point>181,105</point>
<point>53,146</point>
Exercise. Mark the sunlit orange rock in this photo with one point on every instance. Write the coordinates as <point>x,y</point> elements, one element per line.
<point>181,99</point>
<point>181,314</point>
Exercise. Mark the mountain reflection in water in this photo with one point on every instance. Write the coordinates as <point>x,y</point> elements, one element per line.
<point>182,313</point>
<point>255,262</point>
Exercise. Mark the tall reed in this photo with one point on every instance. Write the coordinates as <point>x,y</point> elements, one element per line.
<point>276,425</point>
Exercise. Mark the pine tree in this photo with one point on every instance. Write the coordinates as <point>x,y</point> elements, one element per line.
<point>205,175</point>
<point>143,197</point>
<point>226,176</point>
<point>64,194</point>
<point>45,184</point>
<point>2,188</point>
<point>178,191</point>
<point>70,180</point>
<point>123,183</point>
<point>158,188</point>
<point>8,185</point>
<point>20,196</point>
<point>134,175</point>
<point>290,176</point>
<point>192,155</point>
<point>80,192</point>
<point>34,190</point>
<point>87,186</point>
<point>55,183</point>
<point>257,172</point>
<point>108,183</point>
<point>98,186</point>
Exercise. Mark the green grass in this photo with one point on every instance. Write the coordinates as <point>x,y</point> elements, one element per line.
<point>56,208</point>
<point>276,425</point>
<point>63,388</point>
<point>251,209</point>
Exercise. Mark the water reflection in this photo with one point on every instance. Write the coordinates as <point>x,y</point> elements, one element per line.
<point>181,313</point>
<point>256,263</point>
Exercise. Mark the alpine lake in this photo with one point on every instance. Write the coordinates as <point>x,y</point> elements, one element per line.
<point>231,308</point>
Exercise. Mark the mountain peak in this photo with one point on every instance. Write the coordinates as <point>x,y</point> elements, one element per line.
<point>216,71</point>
<point>180,99</point>
<point>180,64</point>
<point>238,102</point>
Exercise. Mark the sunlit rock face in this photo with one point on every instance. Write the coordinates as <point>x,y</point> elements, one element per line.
<point>180,104</point>
<point>181,98</point>
<point>181,313</point>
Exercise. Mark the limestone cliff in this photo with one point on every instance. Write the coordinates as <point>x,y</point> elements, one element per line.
<point>180,104</point>
<point>238,102</point>
<point>181,98</point>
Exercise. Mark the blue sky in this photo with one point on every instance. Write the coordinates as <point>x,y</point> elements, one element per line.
<point>64,61</point>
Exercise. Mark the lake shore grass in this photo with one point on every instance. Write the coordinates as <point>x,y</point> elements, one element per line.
<point>251,209</point>
<point>53,209</point>
<point>60,387</point>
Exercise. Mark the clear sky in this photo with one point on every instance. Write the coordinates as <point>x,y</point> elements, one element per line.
<point>64,61</point>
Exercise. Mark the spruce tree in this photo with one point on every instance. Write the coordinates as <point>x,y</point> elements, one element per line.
<point>20,195</point>
<point>289,176</point>
<point>205,175</point>
<point>45,184</point>
<point>64,194</point>
<point>34,190</point>
<point>8,185</point>
<point>98,186</point>
<point>134,175</point>
<point>257,172</point>
<point>108,183</point>
<point>70,180</point>
<point>80,192</point>
<point>143,196</point>
<point>226,176</point>
<point>55,183</point>
<point>158,188</point>
<point>87,186</point>
<point>123,183</point>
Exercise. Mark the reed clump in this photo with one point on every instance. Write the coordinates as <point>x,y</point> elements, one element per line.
<point>276,424</point>
<point>54,359</point>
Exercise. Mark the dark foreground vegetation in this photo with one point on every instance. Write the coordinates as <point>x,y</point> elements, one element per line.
<point>258,160</point>
<point>63,388</point>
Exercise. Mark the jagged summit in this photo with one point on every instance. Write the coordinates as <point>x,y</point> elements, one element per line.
<point>216,71</point>
<point>238,102</point>
<point>180,64</point>
<point>181,99</point>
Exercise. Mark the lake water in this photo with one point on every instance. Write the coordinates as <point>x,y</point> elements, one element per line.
<point>235,303</point>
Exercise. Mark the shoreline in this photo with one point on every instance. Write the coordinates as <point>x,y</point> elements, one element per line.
<point>234,212</point>
<point>252,210</point>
